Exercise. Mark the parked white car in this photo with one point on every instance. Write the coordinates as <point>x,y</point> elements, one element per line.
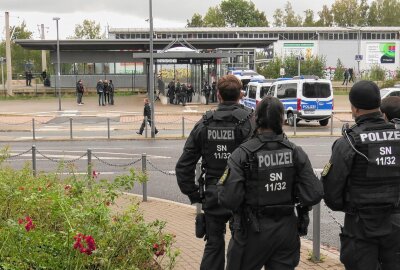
<point>390,92</point>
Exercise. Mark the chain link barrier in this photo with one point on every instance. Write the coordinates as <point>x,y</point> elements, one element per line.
<point>55,160</point>
<point>20,154</point>
<point>190,120</point>
<point>343,121</point>
<point>159,170</point>
<point>116,165</point>
<point>330,213</point>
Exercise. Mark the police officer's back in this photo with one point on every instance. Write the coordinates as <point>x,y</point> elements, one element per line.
<point>213,139</point>
<point>362,179</point>
<point>266,176</point>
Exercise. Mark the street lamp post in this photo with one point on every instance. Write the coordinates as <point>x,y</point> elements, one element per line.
<point>359,51</point>
<point>58,66</point>
<point>299,59</point>
<point>2,60</point>
<point>151,75</point>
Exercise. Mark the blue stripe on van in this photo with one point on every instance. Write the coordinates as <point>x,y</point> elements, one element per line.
<point>307,104</point>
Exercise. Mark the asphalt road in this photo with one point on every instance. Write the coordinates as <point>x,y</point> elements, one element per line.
<point>109,158</point>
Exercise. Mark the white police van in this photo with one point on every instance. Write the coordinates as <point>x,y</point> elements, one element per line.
<point>246,75</point>
<point>309,98</point>
<point>255,91</point>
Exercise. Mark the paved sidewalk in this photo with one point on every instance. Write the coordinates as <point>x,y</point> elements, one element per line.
<point>180,221</point>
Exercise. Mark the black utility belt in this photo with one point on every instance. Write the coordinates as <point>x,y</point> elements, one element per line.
<point>273,211</point>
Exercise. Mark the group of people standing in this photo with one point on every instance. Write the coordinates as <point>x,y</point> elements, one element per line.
<point>348,76</point>
<point>180,93</point>
<point>105,90</point>
<point>264,184</point>
<point>210,92</point>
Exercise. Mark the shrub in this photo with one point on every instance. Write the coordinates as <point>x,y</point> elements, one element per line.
<point>377,73</point>
<point>52,223</point>
<point>339,71</point>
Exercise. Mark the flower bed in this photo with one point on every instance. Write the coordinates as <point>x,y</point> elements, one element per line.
<point>52,223</point>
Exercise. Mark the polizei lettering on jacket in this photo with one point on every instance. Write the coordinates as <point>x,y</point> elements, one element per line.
<point>380,136</point>
<point>221,134</point>
<point>279,158</point>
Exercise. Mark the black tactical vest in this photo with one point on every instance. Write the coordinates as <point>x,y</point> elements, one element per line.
<point>271,174</point>
<point>221,135</point>
<point>375,175</point>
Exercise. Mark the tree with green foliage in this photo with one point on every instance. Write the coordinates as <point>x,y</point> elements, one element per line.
<point>310,66</point>
<point>339,71</point>
<point>232,13</point>
<point>384,13</point>
<point>214,18</point>
<point>345,12</point>
<point>87,30</point>
<point>21,58</point>
<point>242,13</point>
<point>195,21</point>
<point>278,18</point>
<point>325,17</point>
<point>290,17</point>
<point>309,18</point>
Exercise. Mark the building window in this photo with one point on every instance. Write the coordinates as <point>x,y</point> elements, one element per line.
<point>393,36</point>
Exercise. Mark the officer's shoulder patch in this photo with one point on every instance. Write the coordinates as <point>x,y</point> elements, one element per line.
<point>223,177</point>
<point>326,169</point>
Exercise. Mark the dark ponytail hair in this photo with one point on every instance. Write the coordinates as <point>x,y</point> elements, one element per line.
<point>269,114</point>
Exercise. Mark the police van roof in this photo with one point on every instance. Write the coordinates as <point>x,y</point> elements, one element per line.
<point>259,80</point>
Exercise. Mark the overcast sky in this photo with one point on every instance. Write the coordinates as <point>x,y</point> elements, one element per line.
<point>122,13</point>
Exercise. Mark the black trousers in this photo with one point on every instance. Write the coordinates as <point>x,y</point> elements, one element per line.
<point>214,251</point>
<point>144,124</point>
<point>276,246</point>
<point>358,252</point>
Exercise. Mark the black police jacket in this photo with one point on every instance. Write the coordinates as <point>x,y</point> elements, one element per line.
<point>344,165</point>
<point>232,187</point>
<point>192,151</point>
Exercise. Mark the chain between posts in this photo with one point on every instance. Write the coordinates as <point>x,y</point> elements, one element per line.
<point>116,165</point>
<point>158,169</point>
<point>61,160</point>
<point>18,155</point>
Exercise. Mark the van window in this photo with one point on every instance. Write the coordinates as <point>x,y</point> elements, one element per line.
<point>287,90</point>
<point>264,90</point>
<point>272,91</point>
<point>252,91</point>
<point>316,90</point>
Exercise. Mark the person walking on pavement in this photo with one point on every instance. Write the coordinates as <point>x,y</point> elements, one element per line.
<point>346,75</point>
<point>213,139</point>
<point>146,113</point>
<point>206,91</point>
<point>190,92</point>
<point>100,92</point>
<point>362,179</point>
<point>214,92</point>
<point>264,180</point>
<point>171,92</point>
<point>111,90</point>
<point>79,92</point>
<point>351,75</point>
<point>106,92</point>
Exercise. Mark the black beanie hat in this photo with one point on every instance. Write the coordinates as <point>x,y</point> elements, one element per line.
<point>365,95</point>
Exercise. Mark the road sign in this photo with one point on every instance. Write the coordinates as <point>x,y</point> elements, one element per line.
<point>282,72</point>
<point>359,57</point>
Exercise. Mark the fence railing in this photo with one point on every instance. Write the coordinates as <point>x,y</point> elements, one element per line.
<point>316,225</point>
<point>176,125</point>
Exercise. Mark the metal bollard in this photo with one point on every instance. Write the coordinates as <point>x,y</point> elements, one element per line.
<point>294,124</point>
<point>70,128</point>
<point>198,172</point>
<point>144,185</point>
<point>332,123</point>
<point>33,129</point>
<point>89,163</point>
<point>183,127</point>
<point>316,255</point>
<point>34,160</point>
<point>108,128</point>
<point>145,126</point>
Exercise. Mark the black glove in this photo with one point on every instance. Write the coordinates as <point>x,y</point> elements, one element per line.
<point>303,219</point>
<point>194,197</point>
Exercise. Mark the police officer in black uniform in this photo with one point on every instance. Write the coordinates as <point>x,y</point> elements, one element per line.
<point>213,139</point>
<point>266,177</point>
<point>362,179</point>
<point>390,108</point>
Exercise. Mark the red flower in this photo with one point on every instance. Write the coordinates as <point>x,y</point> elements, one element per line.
<point>90,243</point>
<point>20,221</point>
<point>29,223</point>
<point>95,174</point>
<point>155,246</point>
